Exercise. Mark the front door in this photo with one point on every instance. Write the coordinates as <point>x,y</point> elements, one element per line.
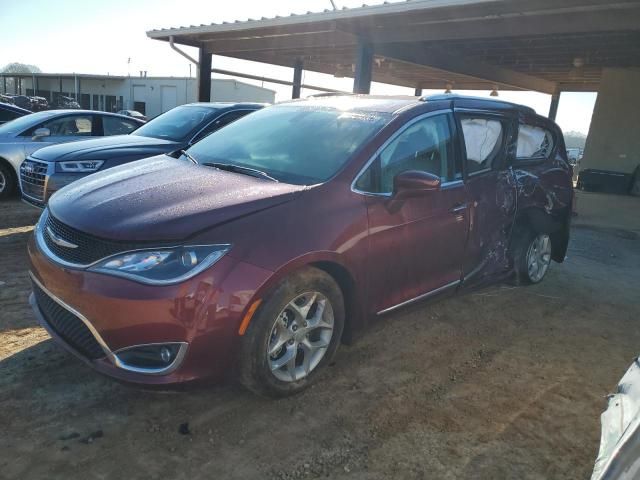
<point>416,244</point>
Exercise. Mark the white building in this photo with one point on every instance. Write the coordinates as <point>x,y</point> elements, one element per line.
<point>149,95</point>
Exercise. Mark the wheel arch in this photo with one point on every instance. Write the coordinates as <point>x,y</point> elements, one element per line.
<point>346,282</point>
<point>333,265</point>
<point>540,221</point>
<point>12,171</point>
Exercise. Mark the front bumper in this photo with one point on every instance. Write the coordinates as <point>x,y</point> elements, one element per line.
<point>204,313</point>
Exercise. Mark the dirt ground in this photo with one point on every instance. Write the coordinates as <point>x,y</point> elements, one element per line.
<point>501,383</point>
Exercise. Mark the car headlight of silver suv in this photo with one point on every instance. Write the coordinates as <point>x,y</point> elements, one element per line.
<point>162,266</point>
<point>80,166</point>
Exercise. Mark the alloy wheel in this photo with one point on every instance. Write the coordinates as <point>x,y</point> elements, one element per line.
<point>538,257</point>
<point>300,336</point>
<point>3,181</point>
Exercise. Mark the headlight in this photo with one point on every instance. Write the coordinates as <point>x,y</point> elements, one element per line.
<point>80,166</point>
<point>162,266</point>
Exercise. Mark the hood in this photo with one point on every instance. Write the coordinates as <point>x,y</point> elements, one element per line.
<point>163,199</point>
<point>105,148</point>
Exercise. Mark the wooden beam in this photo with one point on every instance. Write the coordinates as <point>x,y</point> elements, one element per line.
<point>364,66</point>
<point>509,27</point>
<point>204,76</point>
<point>464,66</point>
<point>555,102</point>
<point>315,40</point>
<point>297,79</point>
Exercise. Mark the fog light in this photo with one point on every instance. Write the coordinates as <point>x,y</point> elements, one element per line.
<point>149,357</point>
<point>165,354</point>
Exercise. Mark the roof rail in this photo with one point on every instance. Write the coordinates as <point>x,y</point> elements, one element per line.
<point>456,96</point>
<point>330,94</point>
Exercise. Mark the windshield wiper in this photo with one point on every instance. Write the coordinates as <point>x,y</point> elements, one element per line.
<point>188,155</point>
<point>254,172</point>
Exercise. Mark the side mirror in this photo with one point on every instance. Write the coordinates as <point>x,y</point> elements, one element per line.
<point>40,133</point>
<point>413,183</point>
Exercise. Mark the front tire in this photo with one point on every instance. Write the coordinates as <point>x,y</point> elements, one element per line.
<point>293,335</point>
<point>531,256</point>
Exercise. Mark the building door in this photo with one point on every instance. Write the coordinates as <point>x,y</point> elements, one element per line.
<point>169,97</point>
<point>140,98</point>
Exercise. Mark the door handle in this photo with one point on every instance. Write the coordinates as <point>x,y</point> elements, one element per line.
<point>458,208</point>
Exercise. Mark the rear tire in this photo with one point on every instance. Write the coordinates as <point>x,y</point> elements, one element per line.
<point>8,181</point>
<point>293,335</point>
<point>531,256</point>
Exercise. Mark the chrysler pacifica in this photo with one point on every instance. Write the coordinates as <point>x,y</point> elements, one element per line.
<point>271,241</point>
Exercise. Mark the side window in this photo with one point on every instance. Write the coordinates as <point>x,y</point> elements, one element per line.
<point>426,146</point>
<point>220,122</point>
<point>117,126</point>
<point>534,143</point>
<point>77,125</point>
<point>483,140</point>
<point>8,115</point>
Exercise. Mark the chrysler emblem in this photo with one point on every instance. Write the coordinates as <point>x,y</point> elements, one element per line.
<point>60,241</point>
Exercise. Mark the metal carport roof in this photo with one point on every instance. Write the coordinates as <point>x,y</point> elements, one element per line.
<point>542,45</point>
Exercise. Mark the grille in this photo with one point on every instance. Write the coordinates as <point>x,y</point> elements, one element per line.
<point>33,178</point>
<point>89,248</point>
<point>68,326</point>
<point>34,202</point>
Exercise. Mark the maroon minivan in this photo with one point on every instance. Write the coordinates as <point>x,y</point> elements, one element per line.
<point>262,247</point>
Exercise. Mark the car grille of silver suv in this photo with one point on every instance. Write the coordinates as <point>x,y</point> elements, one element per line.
<point>33,180</point>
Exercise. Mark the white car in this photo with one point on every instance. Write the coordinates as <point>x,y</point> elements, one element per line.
<point>134,114</point>
<point>23,136</point>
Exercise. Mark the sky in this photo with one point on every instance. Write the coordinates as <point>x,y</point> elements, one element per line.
<point>99,36</point>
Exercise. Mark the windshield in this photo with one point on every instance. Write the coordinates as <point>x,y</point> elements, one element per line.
<point>178,124</point>
<point>20,124</point>
<point>294,144</point>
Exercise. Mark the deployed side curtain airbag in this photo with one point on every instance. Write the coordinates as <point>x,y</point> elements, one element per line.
<point>531,141</point>
<point>480,137</point>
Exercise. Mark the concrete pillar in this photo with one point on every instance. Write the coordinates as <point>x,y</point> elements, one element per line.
<point>613,142</point>
<point>553,108</point>
<point>204,75</point>
<point>364,65</point>
<point>297,79</point>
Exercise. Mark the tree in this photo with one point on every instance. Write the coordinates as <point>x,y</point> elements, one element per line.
<point>9,85</point>
<point>575,139</point>
<point>16,67</point>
